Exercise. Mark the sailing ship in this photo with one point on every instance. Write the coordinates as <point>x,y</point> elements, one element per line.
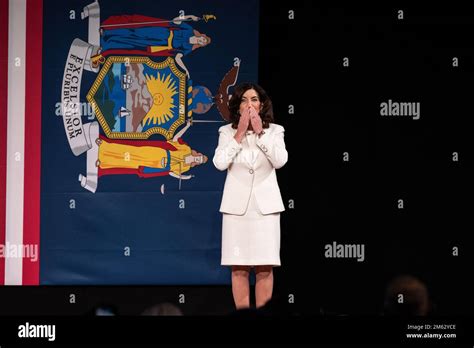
<point>124,112</point>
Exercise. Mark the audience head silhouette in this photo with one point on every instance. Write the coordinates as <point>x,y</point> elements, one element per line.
<point>163,309</point>
<point>406,295</point>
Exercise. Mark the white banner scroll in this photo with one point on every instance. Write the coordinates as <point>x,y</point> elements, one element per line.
<point>93,12</point>
<point>79,53</point>
<point>89,182</point>
<point>82,137</point>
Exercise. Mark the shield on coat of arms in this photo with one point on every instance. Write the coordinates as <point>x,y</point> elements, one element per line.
<point>136,97</point>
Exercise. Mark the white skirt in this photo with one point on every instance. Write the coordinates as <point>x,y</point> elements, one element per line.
<point>251,239</point>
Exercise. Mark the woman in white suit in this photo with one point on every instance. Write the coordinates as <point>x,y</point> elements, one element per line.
<point>250,148</point>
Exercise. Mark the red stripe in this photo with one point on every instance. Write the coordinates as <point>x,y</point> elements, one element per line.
<point>31,219</point>
<point>155,143</point>
<point>3,125</point>
<point>115,52</point>
<point>122,171</point>
<point>132,21</point>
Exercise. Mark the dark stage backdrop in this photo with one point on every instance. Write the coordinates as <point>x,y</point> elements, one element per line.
<point>376,106</point>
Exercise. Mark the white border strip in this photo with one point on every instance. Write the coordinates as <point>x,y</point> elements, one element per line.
<point>15,138</point>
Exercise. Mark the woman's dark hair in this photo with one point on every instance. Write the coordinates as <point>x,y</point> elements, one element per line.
<point>234,104</point>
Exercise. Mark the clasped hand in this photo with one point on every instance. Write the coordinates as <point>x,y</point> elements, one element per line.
<point>250,116</point>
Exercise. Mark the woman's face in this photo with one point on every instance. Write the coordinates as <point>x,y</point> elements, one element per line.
<point>250,98</point>
<point>202,40</point>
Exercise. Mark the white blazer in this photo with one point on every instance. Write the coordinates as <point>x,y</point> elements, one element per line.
<point>246,174</point>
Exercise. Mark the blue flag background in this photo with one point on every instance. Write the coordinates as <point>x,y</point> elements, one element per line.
<point>128,231</point>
